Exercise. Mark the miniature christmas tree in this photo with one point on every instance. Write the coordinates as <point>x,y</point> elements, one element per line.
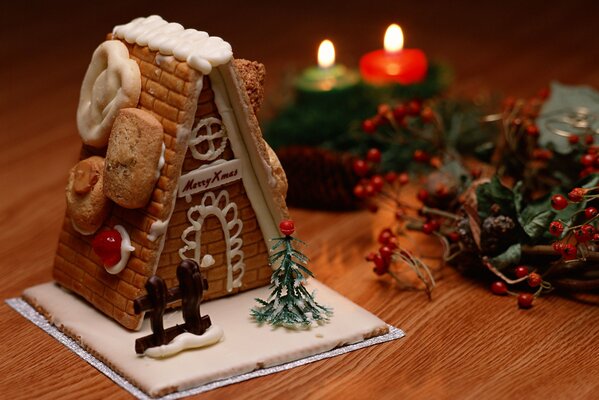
<point>289,303</point>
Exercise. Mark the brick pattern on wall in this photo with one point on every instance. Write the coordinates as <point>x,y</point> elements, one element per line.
<point>168,88</point>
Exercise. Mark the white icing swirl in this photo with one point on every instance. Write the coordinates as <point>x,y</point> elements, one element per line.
<point>201,51</point>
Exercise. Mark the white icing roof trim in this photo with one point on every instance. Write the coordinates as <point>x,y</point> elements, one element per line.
<point>201,51</point>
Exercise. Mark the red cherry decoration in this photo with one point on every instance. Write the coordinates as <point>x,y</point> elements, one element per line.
<point>287,227</point>
<point>107,245</point>
<point>369,126</point>
<point>590,212</point>
<point>556,228</point>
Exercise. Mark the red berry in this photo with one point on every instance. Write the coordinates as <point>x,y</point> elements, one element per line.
<point>421,156</point>
<point>399,215</point>
<point>360,167</point>
<point>590,212</point>
<point>368,126</point>
<point>374,155</point>
<point>569,251</point>
<point>385,235</point>
<point>107,245</point>
<point>587,160</point>
<point>532,130</point>
<point>427,114</point>
<point>369,190</point>
<point>509,103</point>
<point>373,208</point>
<point>556,228</point>
<point>584,233</point>
<point>499,288</point>
<point>380,266</point>
<point>573,139</point>
<point>428,228</point>
<point>589,139</point>
<point>414,107</point>
<point>404,178</point>
<point>359,191</point>
<point>370,256</point>
<point>534,280</point>
<point>525,300</point>
<point>453,237</point>
<point>391,176</point>
<point>422,195</point>
<point>558,247</point>
<point>400,111</point>
<point>577,195</point>
<point>287,227</point>
<point>386,252</point>
<point>393,243</point>
<point>476,172</point>
<point>377,182</point>
<point>383,109</point>
<point>435,224</point>
<point>596,237</point>
<point>559,202</point>
<point>521,271</point>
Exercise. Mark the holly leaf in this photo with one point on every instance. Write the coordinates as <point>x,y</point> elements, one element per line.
<point>508,258</point>
<point>534,218</point>
<point>494,192</point>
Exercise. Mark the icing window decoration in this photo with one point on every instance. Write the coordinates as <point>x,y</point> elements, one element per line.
<point>201,51</point>
<point>113,246</point>
<point>226,212</point>
<point>112,82</point>
<point>210,144</point>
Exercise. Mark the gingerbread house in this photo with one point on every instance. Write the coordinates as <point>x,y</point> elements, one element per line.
<point>173,166</point>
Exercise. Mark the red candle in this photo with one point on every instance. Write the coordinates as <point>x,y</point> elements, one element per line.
<point>394,64</point>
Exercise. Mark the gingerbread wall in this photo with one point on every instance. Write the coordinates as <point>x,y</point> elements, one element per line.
<point>169,92</point>
<point>256,272</point>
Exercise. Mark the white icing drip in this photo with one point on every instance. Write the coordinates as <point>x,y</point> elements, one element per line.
<point>232,227</point>
<point>186,341</point>
<point>184,131</point>
<point>198,49</point>
<point>126,250</point>
<point>210,137</point>
<point>157,229</point>
<point>160,161</point>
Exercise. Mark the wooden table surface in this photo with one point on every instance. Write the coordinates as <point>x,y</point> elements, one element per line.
<point>465,343</point>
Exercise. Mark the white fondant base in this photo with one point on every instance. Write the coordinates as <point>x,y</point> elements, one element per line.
<point>245,347</point>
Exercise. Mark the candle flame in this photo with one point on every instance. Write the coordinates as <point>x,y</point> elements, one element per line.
<point>393,38</point>
<point>326,54</point>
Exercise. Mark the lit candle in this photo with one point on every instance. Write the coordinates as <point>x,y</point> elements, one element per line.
<point>394,64</point>
<point>327,76</point>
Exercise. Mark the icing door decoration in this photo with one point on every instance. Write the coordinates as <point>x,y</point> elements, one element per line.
<point>226,213</point>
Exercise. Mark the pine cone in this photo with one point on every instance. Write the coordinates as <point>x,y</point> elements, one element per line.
<point>496,234</point>
<point>319,178</point>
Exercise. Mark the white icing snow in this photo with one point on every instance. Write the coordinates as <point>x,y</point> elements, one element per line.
<point>160,161</point>
<point>187,341</point>
<point>157,229</point>
<point>126,250</point>
<point>201,51</point>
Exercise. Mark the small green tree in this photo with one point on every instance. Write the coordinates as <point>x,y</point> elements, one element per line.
<point>289,303</point>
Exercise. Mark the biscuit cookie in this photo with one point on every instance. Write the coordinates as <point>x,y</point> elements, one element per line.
<point>86,204</point>
<point>133,158</point>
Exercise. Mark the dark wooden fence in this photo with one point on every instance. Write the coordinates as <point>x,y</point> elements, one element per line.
<point>190,290</point>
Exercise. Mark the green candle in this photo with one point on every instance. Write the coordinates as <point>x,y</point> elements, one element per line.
<point>327,76</point>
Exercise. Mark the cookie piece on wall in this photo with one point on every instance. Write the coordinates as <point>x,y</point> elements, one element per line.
<point>86,204</point>
<point>133,158</point>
